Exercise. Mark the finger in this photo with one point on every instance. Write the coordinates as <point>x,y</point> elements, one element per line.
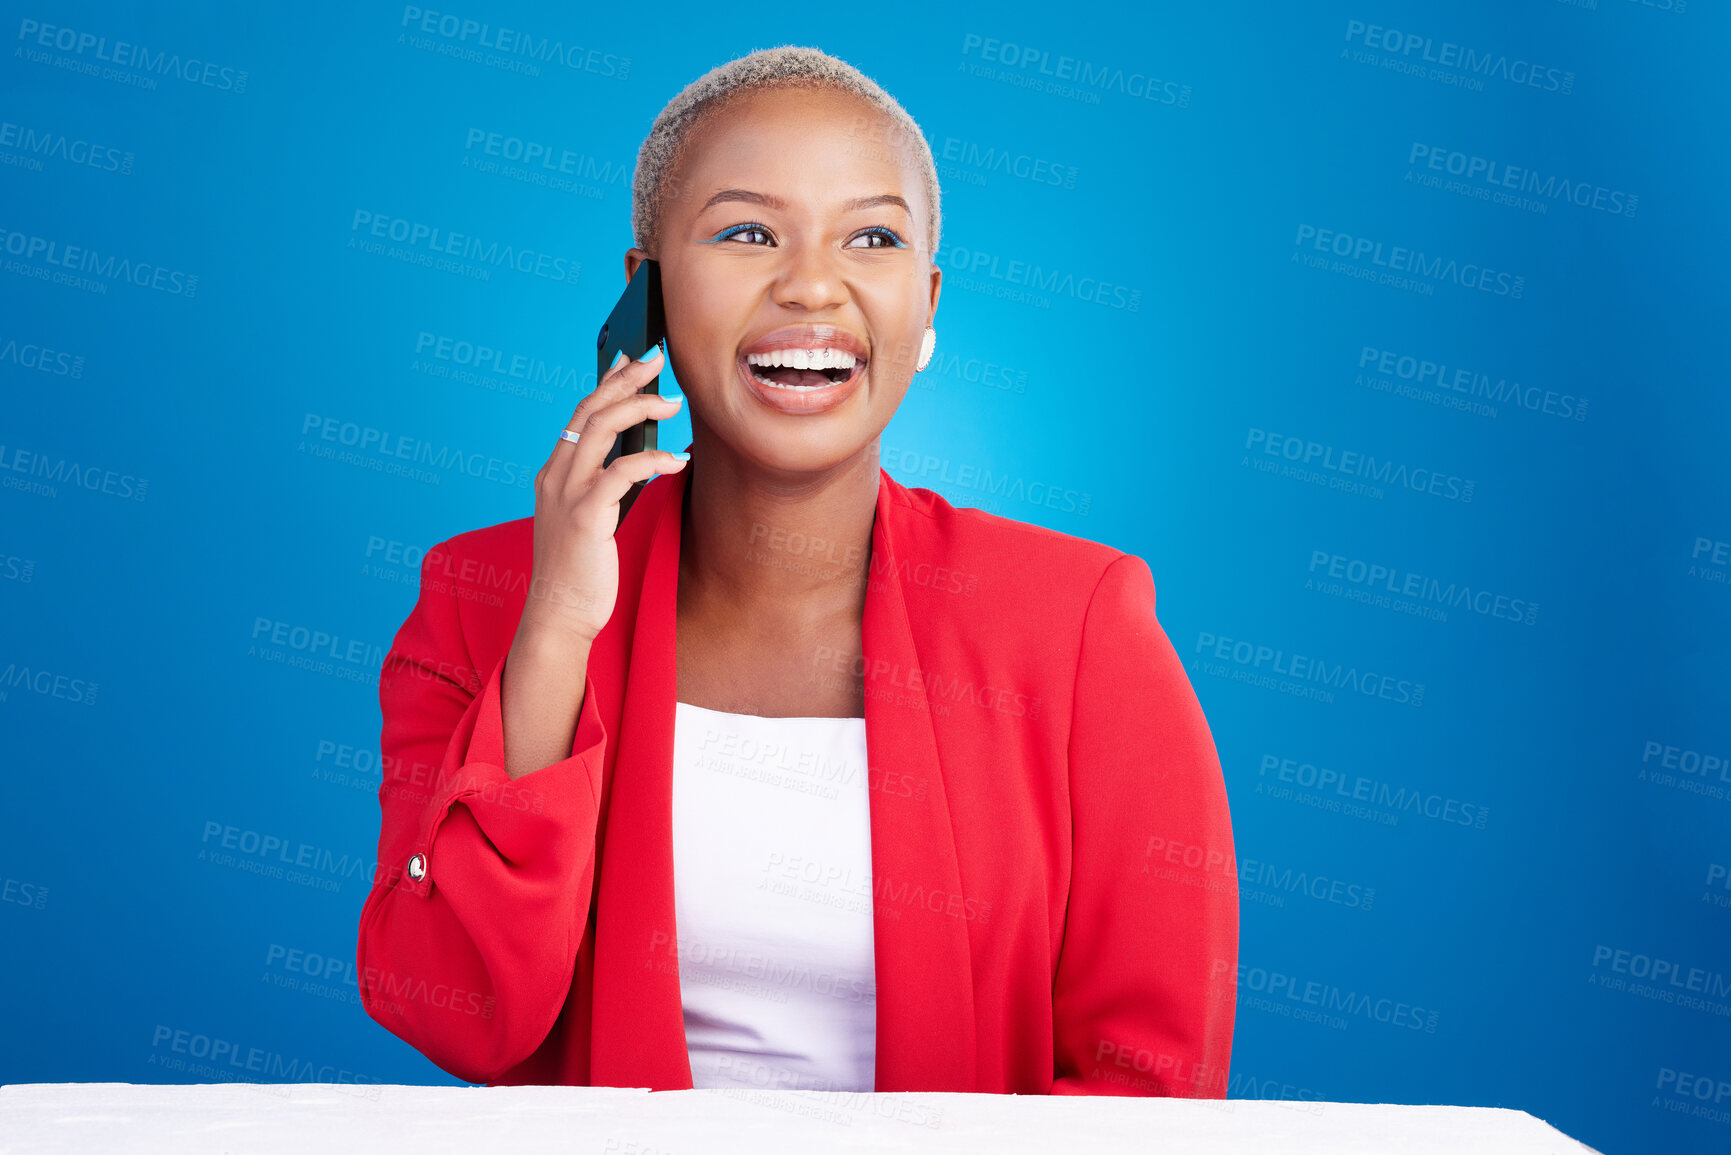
<point>623,379</point>
<point>617,479</point>
<point>558,461</point>
<point>621,364</point>
<point>585,458</point>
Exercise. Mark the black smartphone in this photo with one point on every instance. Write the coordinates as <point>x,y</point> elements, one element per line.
<point>635,326</point>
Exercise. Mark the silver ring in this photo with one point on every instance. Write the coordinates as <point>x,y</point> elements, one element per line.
<point>567,435</point>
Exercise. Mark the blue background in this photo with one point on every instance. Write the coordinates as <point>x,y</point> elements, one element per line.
<point>1519,944</point>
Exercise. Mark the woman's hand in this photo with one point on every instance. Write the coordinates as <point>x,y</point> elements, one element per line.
<point>576,563</point>
<point>575,580</point>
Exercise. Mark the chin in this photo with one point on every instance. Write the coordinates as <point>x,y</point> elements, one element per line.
<point>805,453</point>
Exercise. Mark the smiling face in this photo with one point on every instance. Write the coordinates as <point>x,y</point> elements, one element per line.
<point>797,275</point>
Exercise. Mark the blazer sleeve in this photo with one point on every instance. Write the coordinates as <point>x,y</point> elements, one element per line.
<point>1144,992</point>
<point>468,954</point>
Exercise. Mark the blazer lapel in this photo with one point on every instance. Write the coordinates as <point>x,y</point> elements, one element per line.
<point>925,1009</point>
<point>925,985</point>
<point>638,1023</point>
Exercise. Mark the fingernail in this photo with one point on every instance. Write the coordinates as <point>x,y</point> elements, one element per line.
<point>649,356</point>
<point>681,456</point>
<point>618,359</point>
<point>673,397</point>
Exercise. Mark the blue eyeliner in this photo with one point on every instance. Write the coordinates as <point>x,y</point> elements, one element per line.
<point>896,241</point>
<point>730,230</point>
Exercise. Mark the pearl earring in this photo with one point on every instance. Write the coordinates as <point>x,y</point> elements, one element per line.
<point>927,344</point>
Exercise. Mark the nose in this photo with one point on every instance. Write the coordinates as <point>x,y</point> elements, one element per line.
<point>809,278</point>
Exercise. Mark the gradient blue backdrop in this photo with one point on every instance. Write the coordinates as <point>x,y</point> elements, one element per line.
<point>1535,865</point>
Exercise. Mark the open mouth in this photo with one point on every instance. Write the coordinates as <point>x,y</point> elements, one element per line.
<point>803,370</point>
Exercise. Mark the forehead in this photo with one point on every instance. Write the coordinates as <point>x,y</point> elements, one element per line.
<point>813,146</point>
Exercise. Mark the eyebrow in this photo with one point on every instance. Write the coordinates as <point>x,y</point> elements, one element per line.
<point>775,202</point>
<point>873,202</point>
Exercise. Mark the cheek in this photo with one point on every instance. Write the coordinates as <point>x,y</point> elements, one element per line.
<point>903,298</point>
<point>898,321</point>
<point>705,315</point>
<point>894,309</point>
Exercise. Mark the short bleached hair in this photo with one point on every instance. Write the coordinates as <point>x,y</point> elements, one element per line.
<point>788,66</point>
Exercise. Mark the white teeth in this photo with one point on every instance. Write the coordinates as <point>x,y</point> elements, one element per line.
<point>803,359</point>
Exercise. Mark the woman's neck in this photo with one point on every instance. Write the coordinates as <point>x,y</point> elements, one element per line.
<point>775,547</point>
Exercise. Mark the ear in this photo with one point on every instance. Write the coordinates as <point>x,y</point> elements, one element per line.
<point>937,285</point>
<point>633,258</point>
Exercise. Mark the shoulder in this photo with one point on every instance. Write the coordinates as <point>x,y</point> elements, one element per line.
<point>506,542</point>
<point>476,583</point>
<point>1043,575</point>
<point>490,566</point>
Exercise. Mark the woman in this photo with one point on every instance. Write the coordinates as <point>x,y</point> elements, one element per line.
<point>794,776</point>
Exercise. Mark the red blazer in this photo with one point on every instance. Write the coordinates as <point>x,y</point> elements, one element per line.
<point>1054,886</point>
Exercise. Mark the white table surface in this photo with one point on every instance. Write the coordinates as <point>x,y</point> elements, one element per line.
<point>333,1119</point>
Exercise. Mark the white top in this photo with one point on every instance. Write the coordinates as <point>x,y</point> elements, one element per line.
<point>773,900</point>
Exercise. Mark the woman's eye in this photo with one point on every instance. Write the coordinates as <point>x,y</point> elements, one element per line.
<point>879,238</point>
<point>749,234</point>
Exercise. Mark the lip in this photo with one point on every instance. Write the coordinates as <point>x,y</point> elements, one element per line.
<point>804,403</point>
